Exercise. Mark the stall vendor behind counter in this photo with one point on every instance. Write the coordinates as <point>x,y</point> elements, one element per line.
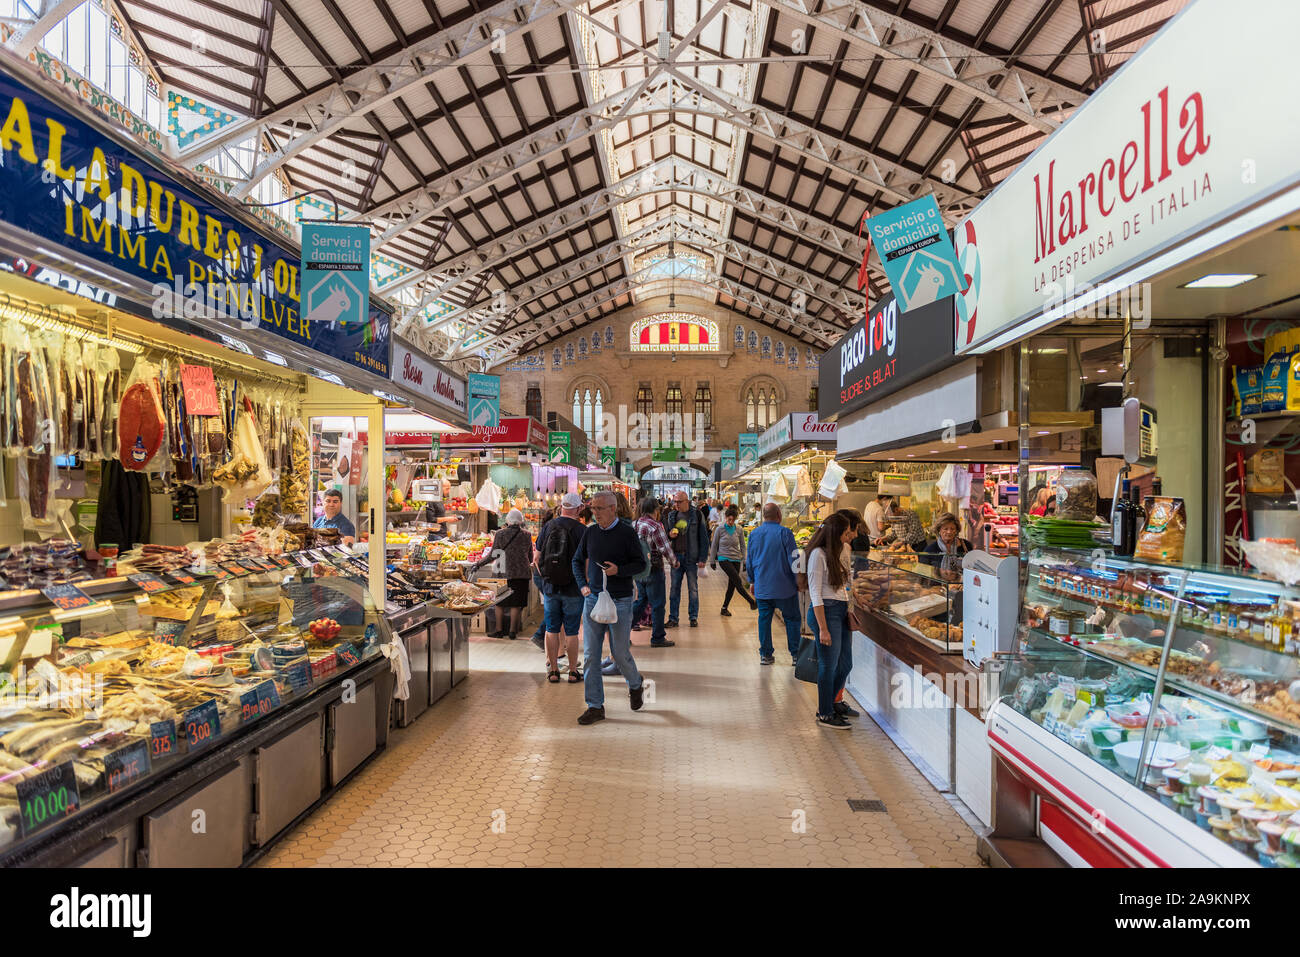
<point>334,517</point>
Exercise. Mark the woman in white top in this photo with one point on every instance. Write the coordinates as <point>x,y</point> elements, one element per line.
<point>828,590</point>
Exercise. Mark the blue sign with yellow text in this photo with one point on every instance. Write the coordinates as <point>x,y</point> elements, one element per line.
<point>64,180</point>
<point>917,253</point>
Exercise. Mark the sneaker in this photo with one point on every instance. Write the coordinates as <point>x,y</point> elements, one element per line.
<point>725,614</point>
<point>663,644</point>
<point>844,711</point>
<point>834,722</point>
<point>636,695</point>
<point>767,659</point>
<point>592,715</point>
<point>636,627</point>
<point>671,623</point>
<point>694,623</point>
<point>539,642</point>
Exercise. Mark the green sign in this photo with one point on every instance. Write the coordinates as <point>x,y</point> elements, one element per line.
<point>728,459</point>
<point>669,453</point>
<point>609,457</point>
<point>559,446</point>
<point>748,457</point>
<point>484,402</point>
<point>336,274</point>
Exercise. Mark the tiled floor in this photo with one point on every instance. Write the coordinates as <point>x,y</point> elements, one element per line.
<point>726,767</point>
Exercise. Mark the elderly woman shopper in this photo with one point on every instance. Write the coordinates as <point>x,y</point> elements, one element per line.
<point>512,549</point>
<point>947,551</point>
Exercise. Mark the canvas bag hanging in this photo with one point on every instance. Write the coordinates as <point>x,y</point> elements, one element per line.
<point>605,611</point>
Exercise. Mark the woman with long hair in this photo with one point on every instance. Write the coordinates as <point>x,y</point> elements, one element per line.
<point>828,590</point>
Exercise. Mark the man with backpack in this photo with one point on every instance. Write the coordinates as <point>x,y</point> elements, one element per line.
<point>655,541</point>
<point>557,543</point>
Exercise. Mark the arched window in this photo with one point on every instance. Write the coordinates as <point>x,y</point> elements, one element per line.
<point>533,403</point>
<point>645,400</point>
<point>772,413</point>
<point>586,413</point>
<point>704,405</point>
<point>673,407</point>
<point>599,415</point>
<point>751,420</point>
<point>577,406</point>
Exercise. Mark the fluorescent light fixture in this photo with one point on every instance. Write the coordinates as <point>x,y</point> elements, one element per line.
<point>272,357</point>
<point>1220,280</point>
<point>235,344</point>
<point>1101,370</point>
<point>1044,431</point>
<point>1117,385</point>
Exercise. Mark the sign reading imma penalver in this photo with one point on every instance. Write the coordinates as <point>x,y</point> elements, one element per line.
<point>74,185</point>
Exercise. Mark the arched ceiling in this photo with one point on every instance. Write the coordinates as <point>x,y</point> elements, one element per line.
<point>535,163</point>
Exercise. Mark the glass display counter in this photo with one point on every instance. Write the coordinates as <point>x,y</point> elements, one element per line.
<point>918,599</point>
<point>136,678</point>
<point>1169,685</point>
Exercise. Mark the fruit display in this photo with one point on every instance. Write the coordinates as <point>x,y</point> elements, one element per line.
<point>325,629</point>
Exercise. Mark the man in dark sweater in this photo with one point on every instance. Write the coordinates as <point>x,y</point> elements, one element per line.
<point>608,557</point>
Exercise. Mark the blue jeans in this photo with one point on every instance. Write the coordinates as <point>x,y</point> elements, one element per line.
<point>651,592</point>
<point>789,608</point>
<point>620,646</point>
<point>689,571</point>
<point>563,612</point>
<point>834,661</point>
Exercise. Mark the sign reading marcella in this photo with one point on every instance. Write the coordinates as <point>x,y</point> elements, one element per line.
<point>1199,126</point>
<point>882,353</point>
<point>68,183</point>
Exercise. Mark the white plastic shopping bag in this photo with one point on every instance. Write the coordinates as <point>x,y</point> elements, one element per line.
<point>605,611</point>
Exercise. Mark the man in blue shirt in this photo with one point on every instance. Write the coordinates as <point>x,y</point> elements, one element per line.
<point>770,566</point>
<point>334,517</point>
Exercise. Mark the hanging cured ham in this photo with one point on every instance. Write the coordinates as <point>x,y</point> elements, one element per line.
<point>140,426</point>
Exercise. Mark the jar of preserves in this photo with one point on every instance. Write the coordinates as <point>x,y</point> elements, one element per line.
<point>1076,495</point>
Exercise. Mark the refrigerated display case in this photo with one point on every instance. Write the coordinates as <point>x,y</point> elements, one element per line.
<point>1149,710</point>
<point>921,601</point>
<point>126,700</point>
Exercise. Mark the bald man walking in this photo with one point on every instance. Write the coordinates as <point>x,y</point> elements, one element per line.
<point>770,568</point>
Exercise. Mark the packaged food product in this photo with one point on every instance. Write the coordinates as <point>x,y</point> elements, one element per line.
<point>1293,383</point>
<point>1166,529</point>
<point>1266,470</point>
<point>1273,382</point>
<point>1076,496</point>
<point>1247,385</point>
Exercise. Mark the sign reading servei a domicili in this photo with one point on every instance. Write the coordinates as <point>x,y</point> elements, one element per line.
<point>64,180</point>
<point>882,353</point>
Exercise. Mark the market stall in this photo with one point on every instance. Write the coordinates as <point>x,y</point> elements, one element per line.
<point>1149,683</point>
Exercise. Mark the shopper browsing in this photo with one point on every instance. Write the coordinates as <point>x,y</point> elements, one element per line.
<point>688,530</point>
<point>728,549</point>
<point>651,532</point>
<point>557,543</point>
<point>607,559</point>
<point>770,567</point>
<point>512,549</point>
<point>828,590</point>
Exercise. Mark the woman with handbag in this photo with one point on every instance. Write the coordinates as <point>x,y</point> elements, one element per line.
<point>512,548</point>
<point>828,590</point>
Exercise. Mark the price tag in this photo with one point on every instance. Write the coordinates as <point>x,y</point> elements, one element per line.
<point>251,565</point>
<point>234,570</point>
<point>361,567</point>
<point>281,561</point>
<point>1258,751</point>
<point>219,573</point>
<point>318,555</point>
<point>202,725</point>
<point>168,632</point>
<point>162,739</point>
<point>338,550</point>
<point>67,596</point>
<point>47,798</point>
<point>347,655</point>
<point>1067,687</point>
<point>268,696</point>
<point>1216,753</point>
<point>126,765</point>
<point>148,582</point>
<point>182,578</point>
<point>302,560</point>
<point>248,706</point>
<point>298,675</point>
<point>1049,723</point>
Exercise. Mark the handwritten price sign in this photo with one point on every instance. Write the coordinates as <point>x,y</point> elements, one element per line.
<point>68,597</point>
<point>126,765</point>
<point>162,739</point>
<point>47,798</point>
<point>202,725</point>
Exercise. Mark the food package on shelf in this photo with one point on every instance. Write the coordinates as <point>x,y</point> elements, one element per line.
<point>295,474</point>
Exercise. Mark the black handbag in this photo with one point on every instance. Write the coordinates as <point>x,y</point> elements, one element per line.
<point>805,665</point>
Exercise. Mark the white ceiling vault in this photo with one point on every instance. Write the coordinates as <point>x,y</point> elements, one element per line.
<point>536,163</point>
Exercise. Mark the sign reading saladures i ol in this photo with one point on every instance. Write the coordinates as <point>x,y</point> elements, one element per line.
<point>882,353</point>
<point>65,181</point>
